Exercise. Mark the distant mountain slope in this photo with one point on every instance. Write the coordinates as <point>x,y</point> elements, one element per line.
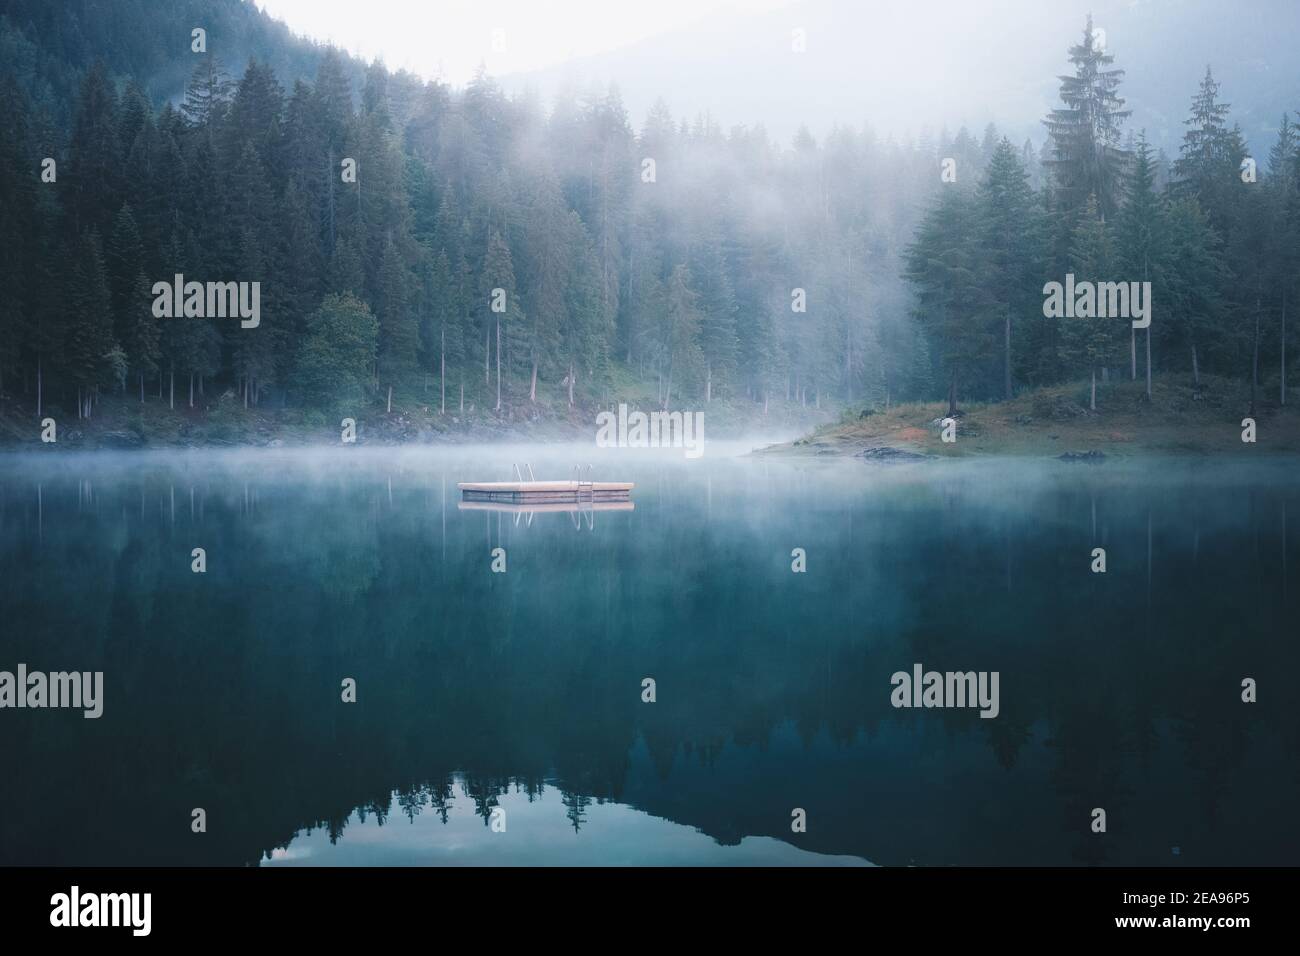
<point>50,45</point>
<point>901,66</point>
<point>860,65</point>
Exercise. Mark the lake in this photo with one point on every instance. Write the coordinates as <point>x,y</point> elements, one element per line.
<point>500,716</point>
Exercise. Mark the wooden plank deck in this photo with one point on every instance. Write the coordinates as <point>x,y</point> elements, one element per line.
<point>545,492</point>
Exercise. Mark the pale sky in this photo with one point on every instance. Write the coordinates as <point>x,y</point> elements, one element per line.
<point>449,38</point>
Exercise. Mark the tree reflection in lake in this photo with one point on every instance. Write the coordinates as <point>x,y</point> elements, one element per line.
<point>475,689</point>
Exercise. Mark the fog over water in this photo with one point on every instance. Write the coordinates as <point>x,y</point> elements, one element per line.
<point>522,690</point>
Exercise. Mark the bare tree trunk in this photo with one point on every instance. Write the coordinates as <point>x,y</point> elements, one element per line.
<point>462,398</point>
<point>573,380</point>
<point>171,395</point>
<point>1196,368</point>
<point>1148,330</point>
<point>1092,401</point>
<point>1148,363</point>
<point>498,365</point>
<point>442,373</point>
<point>487,357</point>
<point>1254,362</point>
<point>532,385</point>
<point>390,399</point>
<point>329,178</point>
<point>192,392</point>
<point>1006,380</point>
<point>1284,346</point>
<point>708,382</point>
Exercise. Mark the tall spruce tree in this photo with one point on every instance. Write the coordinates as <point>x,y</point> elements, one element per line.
<point>941,263</point>
<point>1009,241</point>
<point>1093,341</point>
<point>1086,158</point>
<point>1140,238</point>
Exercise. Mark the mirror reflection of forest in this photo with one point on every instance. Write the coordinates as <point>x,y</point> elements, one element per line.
<point>222,690</point>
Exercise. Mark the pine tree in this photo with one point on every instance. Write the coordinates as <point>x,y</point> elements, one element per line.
<point>1283,186</point>
<point>141,333</point>
<point>123,260</point>
<point>1008,247</point>
<point>1210,157</point>
<point>207,97</point>
<point>501,313</point>
<point>681,332</point>
<point>1093,342</point>
<point>444,337</point>
<point>1192,283</point>
<point>1086,158</point>
<point>1139,234</point>
<point>19,225</point>
<point>94,167</point>
<point>717,306</point>
<point>399,332</point>
<point>586,331</point>
<point>941,265</point>
<point>92,355</point>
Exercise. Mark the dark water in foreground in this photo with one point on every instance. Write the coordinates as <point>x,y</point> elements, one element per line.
<point>522,690</point>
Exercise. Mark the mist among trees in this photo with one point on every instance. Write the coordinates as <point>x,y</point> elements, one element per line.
<point>501,255</point>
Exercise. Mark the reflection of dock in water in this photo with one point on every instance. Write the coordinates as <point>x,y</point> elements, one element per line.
<point>581,511</point>
<point>572,506</point>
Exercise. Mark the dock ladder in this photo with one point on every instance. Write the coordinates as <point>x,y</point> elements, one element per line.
<point>588,488</point>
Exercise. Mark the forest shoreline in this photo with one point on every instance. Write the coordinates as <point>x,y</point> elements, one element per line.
<point>1180,419</point>
<point>121,422</point>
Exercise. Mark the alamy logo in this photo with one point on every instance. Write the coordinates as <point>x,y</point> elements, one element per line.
<point>949,689</point>
<point>103,909</point>
<point>72,689</point>
<point>656,430</point>
<point>208,300</point>
<point>1098,300</point>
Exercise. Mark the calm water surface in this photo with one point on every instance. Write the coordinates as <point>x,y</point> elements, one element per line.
<point>522,690</point>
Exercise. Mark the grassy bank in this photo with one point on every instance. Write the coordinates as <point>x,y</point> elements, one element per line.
<point>1178,420</point>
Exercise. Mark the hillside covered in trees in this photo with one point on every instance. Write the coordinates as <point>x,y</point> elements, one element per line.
<point>469,253</point>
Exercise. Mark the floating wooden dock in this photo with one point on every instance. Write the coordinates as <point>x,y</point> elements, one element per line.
<point>546,492</point>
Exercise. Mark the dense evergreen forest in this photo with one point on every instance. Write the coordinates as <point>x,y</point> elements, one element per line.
<point>699,264</point>
<point>1216,233</point>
